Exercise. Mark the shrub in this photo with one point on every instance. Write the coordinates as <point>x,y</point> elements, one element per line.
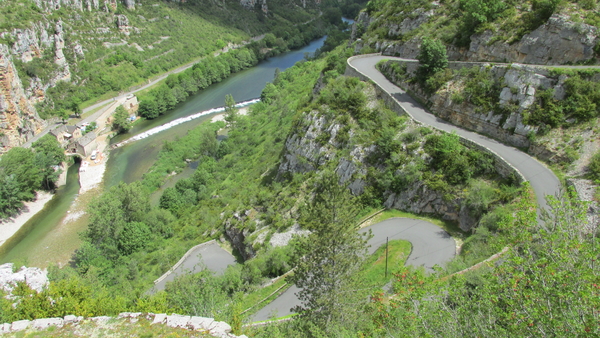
<point>432,58</point>
<point>595,166</point>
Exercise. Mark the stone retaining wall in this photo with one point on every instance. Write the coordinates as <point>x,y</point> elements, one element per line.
<point>193,323</point>
<point>502,166</point>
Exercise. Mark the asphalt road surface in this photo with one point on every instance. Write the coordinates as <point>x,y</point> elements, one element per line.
<point>211,256</point>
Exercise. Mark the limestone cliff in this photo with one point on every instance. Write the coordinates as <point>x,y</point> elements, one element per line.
<point>19,120</point>
<point>516,91</point>
<point>560,40</point>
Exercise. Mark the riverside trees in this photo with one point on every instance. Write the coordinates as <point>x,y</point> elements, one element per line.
<point>24,171</point>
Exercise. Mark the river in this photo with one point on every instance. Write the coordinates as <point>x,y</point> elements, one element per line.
<point>43,240</point>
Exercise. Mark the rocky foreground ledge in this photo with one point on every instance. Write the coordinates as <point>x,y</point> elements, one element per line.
<point>79,326</point>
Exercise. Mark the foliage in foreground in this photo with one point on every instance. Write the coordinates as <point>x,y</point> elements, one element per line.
<point>546,285</point>
<point>331,257</point>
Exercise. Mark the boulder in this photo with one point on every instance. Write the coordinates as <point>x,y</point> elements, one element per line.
<point>178,321</point>
<point>20,325</point>
<point>44,323</point>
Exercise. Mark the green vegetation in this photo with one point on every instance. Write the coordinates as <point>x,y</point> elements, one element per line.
<point>374,270</point>
<point>433,62</point>
<point>331,257</point>
<point>455,21</point>
<point>121,123</point>
<point>161,36</point>
<point>546,284</point>
<point>456,162</point>
<point>480,87</point>
<point>24,171</point>
<point>581,102</point>
<point>130,243</point>
<point>240,186</point>
<point>595,166</point>
<point>432,57</point>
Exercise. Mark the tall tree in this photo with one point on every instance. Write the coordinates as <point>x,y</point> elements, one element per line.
<point>331,257</point>
<point>121,120</point>
<point>231,111</point>
<point>116,214</point>
<point>432,57</point>
<point>48,155</point>
<point>20,162</point>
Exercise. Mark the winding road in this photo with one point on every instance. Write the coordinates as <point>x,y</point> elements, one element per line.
<point>542,180</point>
<point>430,244</point>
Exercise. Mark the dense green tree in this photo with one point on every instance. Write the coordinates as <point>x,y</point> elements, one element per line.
<point>49,145</point>
<point>149,108</point>
<point>20,163</point>
<point>595,166</point>
<point>111,216</point>
<point>121,123</point>
<point>332,254</point>
<point>432,58</point>
<point>11,198</point>
<point>197,294</point>
<point>134,237</point>
<point>268,93</point>
<point>231,111</point>
<point>478,12</point>
<point>76,106</point>
<point>48,156</point>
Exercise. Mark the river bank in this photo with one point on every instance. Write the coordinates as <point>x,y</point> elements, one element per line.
<point>11,226</point>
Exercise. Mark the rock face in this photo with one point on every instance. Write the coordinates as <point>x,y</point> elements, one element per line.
<point>238,235</point>
<point>130,4</point>
<point>519,85</point>
<point>36,278</point>
<point>303,153</point>
<point>19,120</point>
<point>315,144</point>
<point>207,326</point>
<point>48,39</point>
<point>123,24</point>
<point>420,199</point>
<point>558,41</point>
<point>414,21</point>
<point>249,4</point>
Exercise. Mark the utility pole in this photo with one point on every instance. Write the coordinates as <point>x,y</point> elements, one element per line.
<point>386,255</point>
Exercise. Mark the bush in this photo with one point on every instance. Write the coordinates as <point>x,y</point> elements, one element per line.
<point>595,166</point>
<point>432,58</point>
<point>479,197</point>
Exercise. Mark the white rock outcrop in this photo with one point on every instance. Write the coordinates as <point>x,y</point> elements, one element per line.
<point>36,278</point>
